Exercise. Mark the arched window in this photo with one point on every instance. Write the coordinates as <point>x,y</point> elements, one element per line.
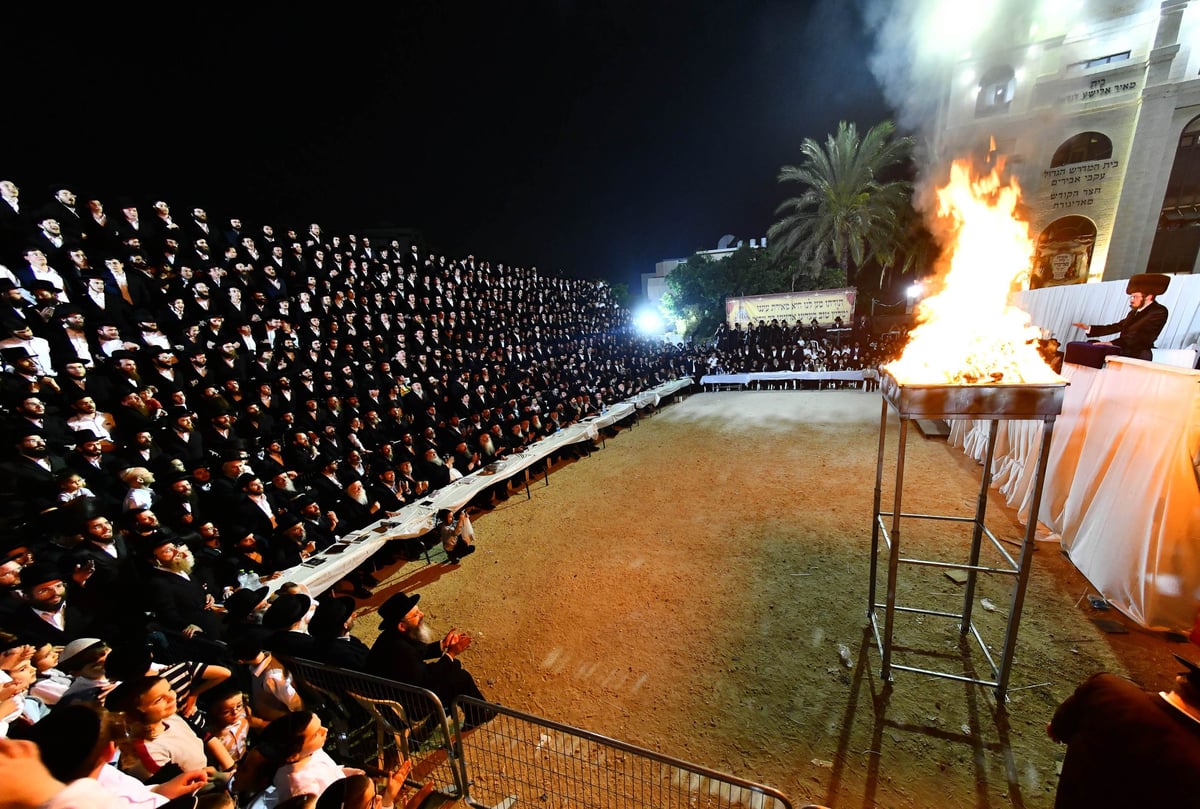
<point>1083,147</point>
<point>1064,252</point>
<point>996,90</point>
<point>1177,241</point>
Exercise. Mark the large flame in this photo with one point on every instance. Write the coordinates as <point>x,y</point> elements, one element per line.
<point>967,332</point>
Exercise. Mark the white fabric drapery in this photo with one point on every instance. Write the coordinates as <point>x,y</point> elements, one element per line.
<point>1122,490</point>
<point>1056,308</point>
<point>1130,518</point>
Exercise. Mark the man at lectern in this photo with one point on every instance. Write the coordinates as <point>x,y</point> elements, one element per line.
<point>1141,327</point>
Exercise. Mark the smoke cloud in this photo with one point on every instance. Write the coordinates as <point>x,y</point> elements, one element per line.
<point>923,49</point>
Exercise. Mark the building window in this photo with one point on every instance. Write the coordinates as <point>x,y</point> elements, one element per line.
<point>1064,252</point>
<point>1080,149</point>
<point>1177,240</point>
<point>996,90</point>
<point>1102,60</point>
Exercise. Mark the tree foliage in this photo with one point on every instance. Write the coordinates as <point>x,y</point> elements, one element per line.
<point>621,294</point>
<point>697,288</point>
<point>847,214</point>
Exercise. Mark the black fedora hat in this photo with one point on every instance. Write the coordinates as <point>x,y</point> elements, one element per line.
<point>330,617</point>
<point>1148,283</point>
<point>286,610</point>
<point>397,607</point>
<point>242,602</point>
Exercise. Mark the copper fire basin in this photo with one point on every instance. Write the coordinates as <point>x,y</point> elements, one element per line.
<point>1016,401</point>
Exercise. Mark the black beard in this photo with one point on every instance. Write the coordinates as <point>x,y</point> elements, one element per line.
<point>38,452</point>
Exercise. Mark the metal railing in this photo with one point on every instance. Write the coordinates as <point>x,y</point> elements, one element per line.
<point>517,758</point>
<point>512,757</point>
<point>378,722</point>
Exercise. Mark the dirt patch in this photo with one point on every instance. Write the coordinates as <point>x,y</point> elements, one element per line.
<point>699,587</point>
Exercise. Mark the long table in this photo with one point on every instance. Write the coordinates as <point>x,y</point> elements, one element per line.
<point>719,380</point>
<point>417,519</point>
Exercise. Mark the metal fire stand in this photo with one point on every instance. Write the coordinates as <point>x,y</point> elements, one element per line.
<point>984,402</point>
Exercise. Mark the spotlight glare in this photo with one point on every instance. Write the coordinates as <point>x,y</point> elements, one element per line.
<point>648,321</point>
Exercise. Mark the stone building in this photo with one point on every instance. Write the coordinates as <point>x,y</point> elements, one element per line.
<point>1101,125</point>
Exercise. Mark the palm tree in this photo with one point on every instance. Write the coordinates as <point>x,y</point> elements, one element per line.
<point>845,212</point>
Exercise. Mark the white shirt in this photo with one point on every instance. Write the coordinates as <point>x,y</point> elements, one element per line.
<point>138,498</point>
<point>311,777</point>
<point>129,790</point>
<point>55,618</point>
<point>278,682</point>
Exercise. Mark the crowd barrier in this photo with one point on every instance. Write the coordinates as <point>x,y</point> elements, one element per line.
<point>513,759</point>
<point>743,380</point>
<point>376,723</point>
<point>325,569</point>
<point>518,759</point>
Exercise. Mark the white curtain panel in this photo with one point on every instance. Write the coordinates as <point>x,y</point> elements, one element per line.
<point>1056,308</point>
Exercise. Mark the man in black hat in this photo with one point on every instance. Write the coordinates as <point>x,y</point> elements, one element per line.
<point>290,544</point>
<point>32,473</point>
<point>181,440</point>
<point>1128,747</point>
<point>219,436</point>
<point>47,616</point>
<point>22,375</point>
<point>320,527</point>
<point>69,340</point>
<point>162,371</point>
<point>177,600</point>
<point>407,651</point>
<point>112,572</point>
<point>244,610</point>
<point>1141,327</point>
<point>179,506</point>
<point>287,618</point>
<point>124,372</point>
<point>330,627</point>
<point>101,472</point>
<point>75,380</point>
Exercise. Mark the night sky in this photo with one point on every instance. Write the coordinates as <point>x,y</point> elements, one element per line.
<point>593,137</point>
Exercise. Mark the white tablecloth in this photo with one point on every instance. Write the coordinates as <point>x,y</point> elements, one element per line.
<point>416,519</point>
<point>1122,491</point>
<point>780,376</point>
<point>1130,513</point>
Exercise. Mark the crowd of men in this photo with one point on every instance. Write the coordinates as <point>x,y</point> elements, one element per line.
<point>251,394</point>
<point>189,409</point>
<point>777,346</point>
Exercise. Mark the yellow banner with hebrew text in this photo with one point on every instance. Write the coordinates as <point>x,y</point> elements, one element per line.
<point>822,305</point>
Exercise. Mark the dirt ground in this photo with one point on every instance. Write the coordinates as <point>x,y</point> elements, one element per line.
<point>699,587</point>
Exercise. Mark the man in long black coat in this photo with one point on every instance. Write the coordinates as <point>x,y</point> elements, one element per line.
<point>178,601</point>
<point>330,627</point>
<point>407,652</point>
<point>1127,747</point>
<point>1145,321</point>
<point>49,616</point>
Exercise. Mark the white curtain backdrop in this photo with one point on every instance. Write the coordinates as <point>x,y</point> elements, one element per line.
<point>1056,308</point>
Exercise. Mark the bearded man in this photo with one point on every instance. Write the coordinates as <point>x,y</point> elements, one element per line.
<point>47,616</point>
<point>406,651</point>
<point>358,509</point>
<point>180,507</point>
<point>177,600</point>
